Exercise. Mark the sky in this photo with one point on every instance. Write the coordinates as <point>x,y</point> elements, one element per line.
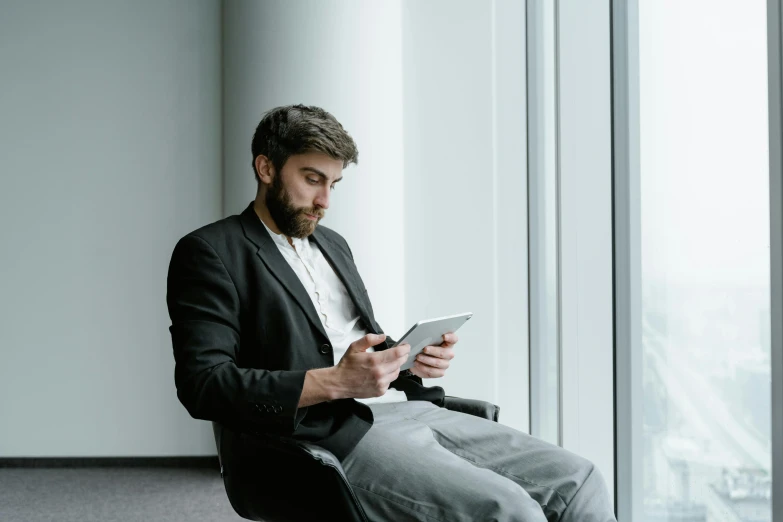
<point>704,141</point>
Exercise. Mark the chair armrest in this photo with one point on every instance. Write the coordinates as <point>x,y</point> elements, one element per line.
<point>483,409</point>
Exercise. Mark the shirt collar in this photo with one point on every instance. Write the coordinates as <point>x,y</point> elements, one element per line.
<point>280,239</point>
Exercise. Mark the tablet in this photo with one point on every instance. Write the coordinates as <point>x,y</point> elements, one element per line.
<point>430,332</point>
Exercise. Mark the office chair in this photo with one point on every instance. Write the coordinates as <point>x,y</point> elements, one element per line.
<point>268,480</point>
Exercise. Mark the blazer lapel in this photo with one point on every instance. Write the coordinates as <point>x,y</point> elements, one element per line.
<point>343,268</point>
<point>276,263</point>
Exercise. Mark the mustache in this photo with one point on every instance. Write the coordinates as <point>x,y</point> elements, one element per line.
<point>319,213</point>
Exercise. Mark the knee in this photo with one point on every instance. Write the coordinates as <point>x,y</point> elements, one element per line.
<point>578,469</point>
<point>571,473</point>
<point>508,505</point>
<point>577,462</point>
<point>586,481</point>
<point>591,500</point>
<point>594,479</point>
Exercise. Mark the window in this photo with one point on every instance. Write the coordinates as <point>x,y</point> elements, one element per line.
<point>705,287</point>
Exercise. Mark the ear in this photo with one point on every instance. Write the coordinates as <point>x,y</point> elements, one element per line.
<point>264,169</point>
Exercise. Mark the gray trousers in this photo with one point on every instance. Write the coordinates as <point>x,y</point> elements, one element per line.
<point>420,462</point>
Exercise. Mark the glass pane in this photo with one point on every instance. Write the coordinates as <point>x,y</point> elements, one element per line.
<point>705,260</point>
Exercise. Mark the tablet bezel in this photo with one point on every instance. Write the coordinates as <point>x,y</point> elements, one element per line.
<point>451,326</point>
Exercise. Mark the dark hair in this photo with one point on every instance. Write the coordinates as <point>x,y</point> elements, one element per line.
<point>296,129</point>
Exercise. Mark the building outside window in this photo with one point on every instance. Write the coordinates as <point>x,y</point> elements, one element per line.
<point>704,182</point>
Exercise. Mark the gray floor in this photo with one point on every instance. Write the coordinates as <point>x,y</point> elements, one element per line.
<point>113,494</point>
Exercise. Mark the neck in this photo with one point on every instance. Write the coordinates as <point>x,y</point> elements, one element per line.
<point>263,213</point>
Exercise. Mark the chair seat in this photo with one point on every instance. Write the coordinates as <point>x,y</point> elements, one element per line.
<point>298,466</point>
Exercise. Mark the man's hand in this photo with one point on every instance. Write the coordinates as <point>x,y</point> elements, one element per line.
<point>361,375</point>
<point>433,361</point>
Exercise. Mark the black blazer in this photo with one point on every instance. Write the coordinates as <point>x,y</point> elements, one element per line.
<point>245,332</point>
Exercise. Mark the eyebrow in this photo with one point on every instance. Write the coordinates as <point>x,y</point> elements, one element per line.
<point>319,173</point>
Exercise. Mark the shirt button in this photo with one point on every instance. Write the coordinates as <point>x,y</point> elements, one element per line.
<point>325,348</point>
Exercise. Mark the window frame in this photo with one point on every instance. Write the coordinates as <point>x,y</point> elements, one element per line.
<point>543,221</point>
<point>626,180</point>
<point>586,292</point>
<point>775,70</point>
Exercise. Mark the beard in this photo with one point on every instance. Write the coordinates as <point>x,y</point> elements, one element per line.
<point>291,221</point>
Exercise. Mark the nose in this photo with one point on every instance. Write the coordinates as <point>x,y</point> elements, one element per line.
<point>322,199</point>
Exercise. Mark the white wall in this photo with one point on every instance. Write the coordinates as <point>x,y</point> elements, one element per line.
<point>343,56</point>
<point>109,152</point>
<point>466,190</point>
<point>435,212</point>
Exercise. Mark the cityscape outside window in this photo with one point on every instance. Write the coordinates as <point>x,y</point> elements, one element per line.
<point>705,260</point>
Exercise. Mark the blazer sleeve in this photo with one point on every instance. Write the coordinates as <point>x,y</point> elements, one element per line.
<point>204,308</point>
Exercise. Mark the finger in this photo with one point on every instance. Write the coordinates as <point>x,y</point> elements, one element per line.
<point>392,367</point>
<point>443,352</point>
<point>435,362</point>
<point>392,354</point>
<point>390,378</point>
<point>449,339</point>
<point>391,359</point>
<point>426,371</point>
<point>368,341</point>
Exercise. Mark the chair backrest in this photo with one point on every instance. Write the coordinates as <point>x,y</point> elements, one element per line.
<point>275,480</point>
<point>217,429</point>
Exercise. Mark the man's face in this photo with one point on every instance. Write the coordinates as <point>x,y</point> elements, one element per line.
<point>298,196</point>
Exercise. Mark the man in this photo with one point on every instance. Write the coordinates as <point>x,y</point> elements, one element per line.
<point>273,331</point>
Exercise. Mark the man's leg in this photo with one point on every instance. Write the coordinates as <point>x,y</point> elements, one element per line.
<point>401,473</point>
<point>568,487</point>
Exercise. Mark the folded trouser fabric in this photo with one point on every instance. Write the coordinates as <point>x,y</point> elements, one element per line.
<point>420,462</point>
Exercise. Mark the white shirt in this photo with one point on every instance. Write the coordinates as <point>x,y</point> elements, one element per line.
<point>334,306</point>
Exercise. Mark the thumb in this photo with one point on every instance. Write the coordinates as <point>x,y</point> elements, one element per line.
<point>368,341</point>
